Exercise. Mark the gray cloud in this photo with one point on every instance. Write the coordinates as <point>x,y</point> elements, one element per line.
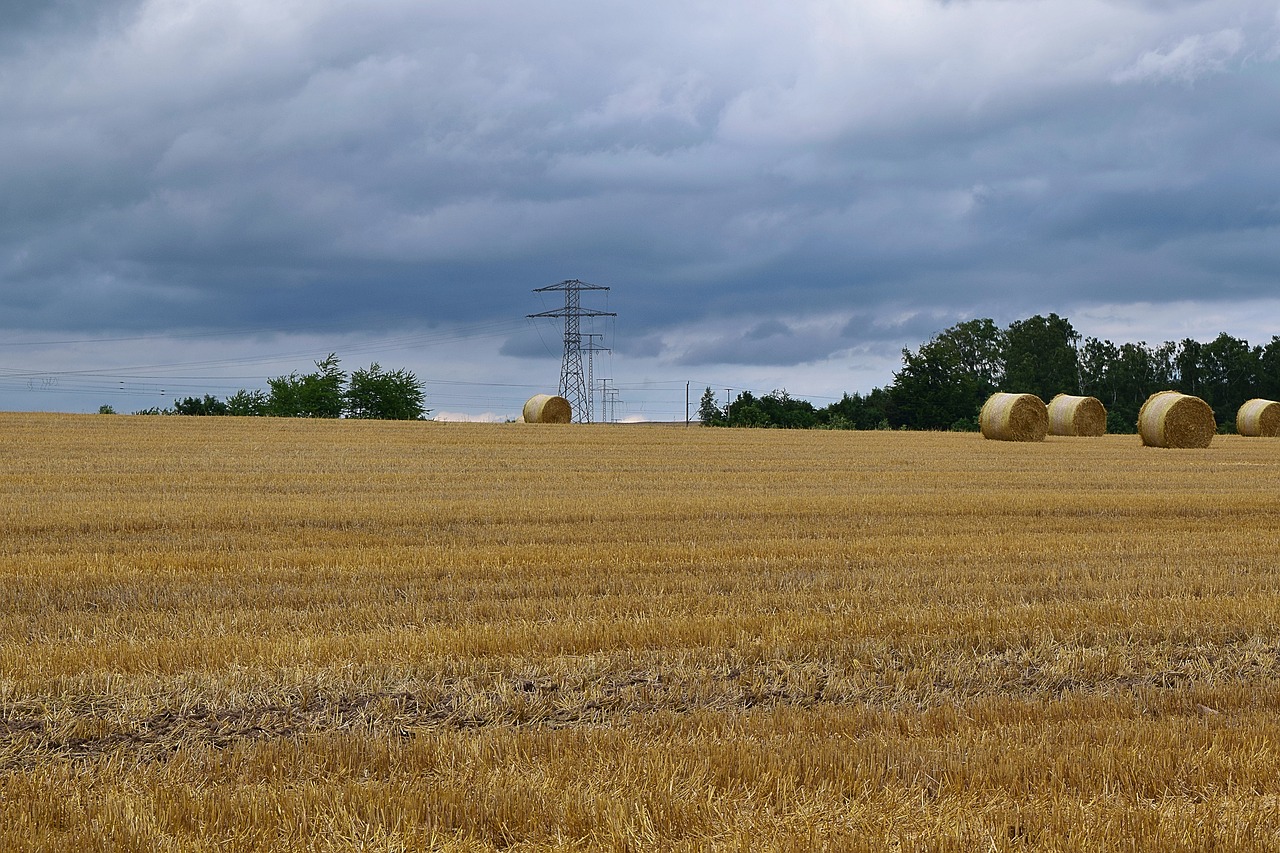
<point>26,22</point>
<point>798,181</point>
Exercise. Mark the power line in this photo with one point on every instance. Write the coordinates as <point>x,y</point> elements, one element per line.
<point>414,341</point>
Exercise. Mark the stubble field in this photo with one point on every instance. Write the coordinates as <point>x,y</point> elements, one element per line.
<point>222,634</point>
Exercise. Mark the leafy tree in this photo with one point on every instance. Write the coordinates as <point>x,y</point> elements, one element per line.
<point>1189,364</point>
<point>776,409</point>
<point>928,393</point>
<point>733,412</point>
<point>1040,357</point>
<point>709,412</point>
<point>315,395</point>
<point>1269,370</point>
<point>853,411</point>
<point>745,411</point>
<point>948,379</point>
<point>1097,370</point>
<point>106,409</point>
<point>1230,368</point>
<point>1138,372</point>
<point>782,410</point>
<point>248,403</point>
<point>1123,376</point>
<point>394,395</point>
<point>877,406</point>
<point>206,405</point>
<point>979,348</point>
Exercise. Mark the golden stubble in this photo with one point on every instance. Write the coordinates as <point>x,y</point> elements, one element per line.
<point>261,634</point>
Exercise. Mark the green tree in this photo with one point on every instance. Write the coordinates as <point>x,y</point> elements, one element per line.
<point>394,395</point>
<point>1139,371</point>
<point>1269,370</point>
<point>1189,364</point>
<point>776,409</point>
<point>315,395</point>
<point>854,411</point>
<point>1098,375</point>
<point>1040,357</point>
<point>206,405</point>
<point>745,411</point>
<point>979,348</point>
<point>709,412</point>
<point>1231,371</point>
<point>949,378</point>
<point>780,409</point>
<point>248,403</point>
<point>1123,376</point>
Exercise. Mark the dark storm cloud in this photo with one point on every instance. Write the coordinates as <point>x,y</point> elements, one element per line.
<point>770,343</point>
<point>786,176</point>
<point>25,19</point>
<point>811,341</point>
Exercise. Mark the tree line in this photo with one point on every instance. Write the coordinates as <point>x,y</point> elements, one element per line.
<point>943,383</point>
<point>326,392</point>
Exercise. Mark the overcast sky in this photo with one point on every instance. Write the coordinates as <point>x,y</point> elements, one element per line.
<point>199,194</point>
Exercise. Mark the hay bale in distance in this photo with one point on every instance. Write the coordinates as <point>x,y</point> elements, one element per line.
<point>1072,415</point>
<point>547,409</point>
<point>1174,419</point>
<point>1014,417</point>
<point>1259,417</point>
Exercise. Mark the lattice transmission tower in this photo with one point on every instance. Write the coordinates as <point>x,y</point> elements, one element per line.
<point>573,382</point>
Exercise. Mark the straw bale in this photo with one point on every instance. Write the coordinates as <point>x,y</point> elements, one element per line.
<point>1258,417</point>
<point>1014,417</point>
<point>1072,415</point>
<point>1173,419</point>
<point>547,409</point>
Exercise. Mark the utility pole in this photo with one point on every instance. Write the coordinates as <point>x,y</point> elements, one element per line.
<point>591,348</point>
<point>573,384</point>
<point>608,402</point>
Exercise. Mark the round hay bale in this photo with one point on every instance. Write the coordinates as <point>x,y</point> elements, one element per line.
<point>1173,419</point>
<point>1258,417</point>
<point>547,409</point>
<point>1014,417</point>
<point>1072,415</point>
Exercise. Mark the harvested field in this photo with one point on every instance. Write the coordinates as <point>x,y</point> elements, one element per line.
<point>257,634</point>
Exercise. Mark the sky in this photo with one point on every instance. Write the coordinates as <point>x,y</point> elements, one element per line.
<point>201,194</point>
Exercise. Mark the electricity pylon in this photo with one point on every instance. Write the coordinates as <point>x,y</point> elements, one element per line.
<point>573,383</point>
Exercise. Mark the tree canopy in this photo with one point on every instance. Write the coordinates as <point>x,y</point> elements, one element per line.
<point>943,383</point>
<point>326,392</point>
<point>394,395</point>
<point>313,395</point>
<point>1041,357</point>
